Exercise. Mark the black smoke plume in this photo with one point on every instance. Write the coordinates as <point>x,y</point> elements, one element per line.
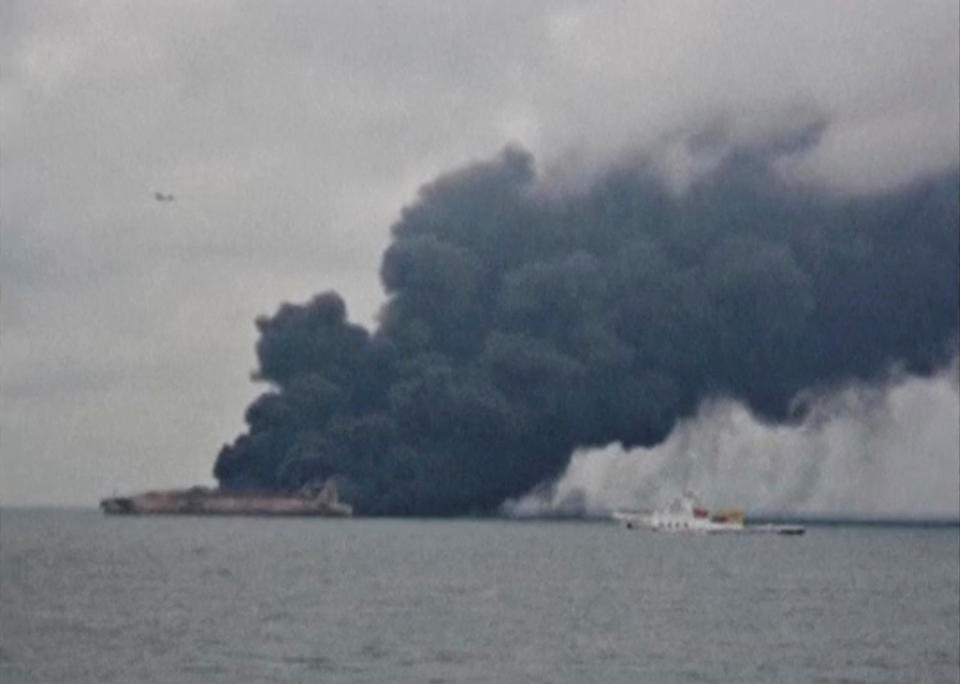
<point>522,324</point>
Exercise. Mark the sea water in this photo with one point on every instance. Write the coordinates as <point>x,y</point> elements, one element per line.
<point>86,598</point>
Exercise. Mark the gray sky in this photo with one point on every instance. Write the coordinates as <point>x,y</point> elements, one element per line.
<point>292,133</point>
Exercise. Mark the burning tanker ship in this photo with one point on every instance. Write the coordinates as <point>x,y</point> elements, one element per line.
<point>309,501</point>
<point>521,325</point>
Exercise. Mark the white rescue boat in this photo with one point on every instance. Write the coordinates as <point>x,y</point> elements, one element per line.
<point>686,514</point>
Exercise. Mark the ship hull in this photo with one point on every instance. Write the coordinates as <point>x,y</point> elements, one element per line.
<point>113,507</point>
<point>199,501</point>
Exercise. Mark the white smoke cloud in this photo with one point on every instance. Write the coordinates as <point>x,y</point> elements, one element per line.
<point>891,451</point>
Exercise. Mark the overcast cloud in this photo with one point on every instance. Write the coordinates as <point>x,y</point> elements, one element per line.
<point>292,134</point>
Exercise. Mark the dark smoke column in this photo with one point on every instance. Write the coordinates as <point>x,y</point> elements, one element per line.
<point>519,327</point>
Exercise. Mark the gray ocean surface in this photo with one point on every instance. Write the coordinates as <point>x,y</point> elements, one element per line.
<point>85,598</point>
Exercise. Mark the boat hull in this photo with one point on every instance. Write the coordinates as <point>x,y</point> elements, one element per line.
<point>200,501</point>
